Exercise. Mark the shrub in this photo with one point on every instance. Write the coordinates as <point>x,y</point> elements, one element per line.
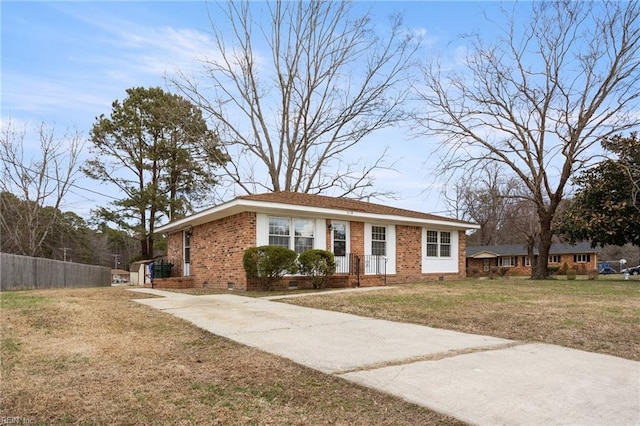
<point>269,264</point>
<point>571,274</point>
<point>593,274</point>
<point>319,265</point>
<point>553,270</point>
<point>563,270</point>
<point>503,271</point>
<point>475,272</point>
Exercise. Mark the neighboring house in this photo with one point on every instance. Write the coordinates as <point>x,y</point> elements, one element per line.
<point>373,244</point>
<point>481,259</point>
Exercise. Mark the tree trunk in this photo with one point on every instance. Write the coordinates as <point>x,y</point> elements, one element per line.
<point>540,270</point>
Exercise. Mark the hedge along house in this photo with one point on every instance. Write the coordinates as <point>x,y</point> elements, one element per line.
<point>485,259</point>
<point>373,244</point>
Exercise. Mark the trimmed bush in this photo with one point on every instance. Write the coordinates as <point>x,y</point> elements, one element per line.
<point>553,270</point>
<point>571,274</point>
<point>318,265</point>
<point>269,264</point>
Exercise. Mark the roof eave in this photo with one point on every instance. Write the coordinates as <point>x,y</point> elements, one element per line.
<point>240,205</point>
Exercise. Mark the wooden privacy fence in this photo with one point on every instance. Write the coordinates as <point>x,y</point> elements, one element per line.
<point>25,273</point>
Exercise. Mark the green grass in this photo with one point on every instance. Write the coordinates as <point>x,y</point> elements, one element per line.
<point>21,300</point>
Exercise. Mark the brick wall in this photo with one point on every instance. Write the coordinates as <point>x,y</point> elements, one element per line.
<point>217,249</point>
<point>357,238</point>
<point>408,254</point>
<point>175,252</point>
<point>173,282</point>
<point>462,253</point>
<point>328,237</point>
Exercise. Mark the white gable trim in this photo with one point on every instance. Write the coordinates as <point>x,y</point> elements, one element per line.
<point>485,254</point>
<point>240,205</point>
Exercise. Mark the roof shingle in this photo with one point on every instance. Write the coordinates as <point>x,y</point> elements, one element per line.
<point>341,203</point>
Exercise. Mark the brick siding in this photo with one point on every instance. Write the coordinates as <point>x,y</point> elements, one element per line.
<point>217,249</point>
<point>357,238</point>
<point>408,254</point>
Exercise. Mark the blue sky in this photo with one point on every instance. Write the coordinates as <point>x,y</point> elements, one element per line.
<point>66,62</point>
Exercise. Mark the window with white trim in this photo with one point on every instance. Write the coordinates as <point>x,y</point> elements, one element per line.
<point>445,244</point>
<point>526,260</point>
<point>378,240</point>
<point>282,228</point>
<point>303,234</point>
<point>279,231</point>
<point>432,243</point>
<point>508,262</point>
<point>581,258</point>
<point>438,243</point>
<point>554,258</point>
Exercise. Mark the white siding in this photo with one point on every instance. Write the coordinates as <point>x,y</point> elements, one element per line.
<point>320,235</point>
<point>391,244</point>
<point>434,265</point>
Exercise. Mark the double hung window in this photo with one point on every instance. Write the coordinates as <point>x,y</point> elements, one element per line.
<point>438,243</point>
<point>378,241</point>
<point>282,229</point>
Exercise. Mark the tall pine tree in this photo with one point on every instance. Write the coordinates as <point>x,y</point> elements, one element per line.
<point>156,148</point>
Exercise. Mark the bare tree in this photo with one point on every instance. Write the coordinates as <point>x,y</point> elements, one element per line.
<point>539,98</point>
<point>287,115</point>
<point>485,197</point>
<point>35,180</point>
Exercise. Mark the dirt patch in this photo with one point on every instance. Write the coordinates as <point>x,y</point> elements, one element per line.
<point>93,356</point>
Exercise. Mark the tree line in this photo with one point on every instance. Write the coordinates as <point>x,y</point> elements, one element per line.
<point>523,113</point>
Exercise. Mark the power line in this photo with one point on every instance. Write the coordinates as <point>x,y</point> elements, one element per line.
<point>61,181</point>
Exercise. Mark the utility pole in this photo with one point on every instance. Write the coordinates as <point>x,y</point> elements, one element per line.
<point>64,251</point>
<point>115,260</point>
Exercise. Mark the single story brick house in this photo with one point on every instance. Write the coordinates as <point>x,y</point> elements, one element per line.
<point>481,259</point>
<point>373,244</point>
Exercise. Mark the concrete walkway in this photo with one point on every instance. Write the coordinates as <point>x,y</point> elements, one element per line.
<point>478,379</point>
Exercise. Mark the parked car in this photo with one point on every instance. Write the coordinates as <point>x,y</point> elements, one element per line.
<point>632,271</point>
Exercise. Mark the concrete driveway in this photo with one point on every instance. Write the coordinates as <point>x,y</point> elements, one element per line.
<point>478,379</point>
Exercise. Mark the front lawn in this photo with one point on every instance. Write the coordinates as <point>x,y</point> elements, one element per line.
<point>92,356</point>
<point>599,316</point>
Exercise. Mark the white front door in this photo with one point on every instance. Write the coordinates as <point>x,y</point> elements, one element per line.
<point>340,245</point>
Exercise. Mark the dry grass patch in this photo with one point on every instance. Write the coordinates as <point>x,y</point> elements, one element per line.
<point>92,356</point>
<point>597,316</point>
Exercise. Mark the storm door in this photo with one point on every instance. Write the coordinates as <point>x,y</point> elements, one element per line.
<point>340,245</point>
